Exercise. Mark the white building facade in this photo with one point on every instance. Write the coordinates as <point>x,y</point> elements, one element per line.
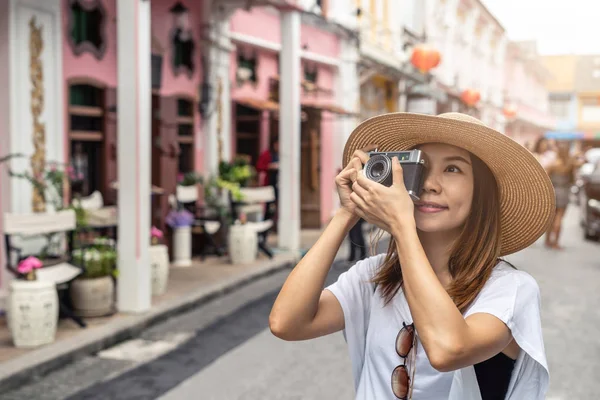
<point>473,46</point>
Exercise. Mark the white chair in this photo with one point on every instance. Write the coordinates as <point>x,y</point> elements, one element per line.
<point>60,271</point>
<point>253,204</point>
<point>97,215</point>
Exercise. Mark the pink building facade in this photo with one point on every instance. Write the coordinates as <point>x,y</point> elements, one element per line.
<point>91,125</point>
<point>158,84</point>
<point>256,35</point>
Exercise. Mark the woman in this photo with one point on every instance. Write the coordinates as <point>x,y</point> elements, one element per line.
<point>439,316</point>
<point>562,174</point>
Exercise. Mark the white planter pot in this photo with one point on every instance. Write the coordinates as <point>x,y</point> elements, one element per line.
<point>159,264</point>
<point>182,246</point>
<point>93,297</point>
<point>243,244</point>
<point>32,312</point>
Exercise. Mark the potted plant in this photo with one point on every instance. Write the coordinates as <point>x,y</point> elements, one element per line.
<point>180,222</point>
<point>32,307</point>
<point>93,292</point>
<point>187,185</point>
<point>159,262</point>
<point>189,179</point>
<point>238,172</point>
<point>217,193</point>
<point>242,242</point>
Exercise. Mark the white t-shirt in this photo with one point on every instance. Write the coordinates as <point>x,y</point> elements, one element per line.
<point>371,329</point>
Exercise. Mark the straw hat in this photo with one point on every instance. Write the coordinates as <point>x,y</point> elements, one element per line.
<point>527,202</point>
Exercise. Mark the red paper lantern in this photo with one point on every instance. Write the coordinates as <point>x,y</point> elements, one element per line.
<point>470,97</point>
<point>425,57</point>
<point>510,110</point>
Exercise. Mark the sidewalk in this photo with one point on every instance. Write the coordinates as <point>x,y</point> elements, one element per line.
<point>187,288</point>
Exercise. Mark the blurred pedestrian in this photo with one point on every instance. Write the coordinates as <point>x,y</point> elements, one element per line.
<point>545,151</point>
<point>562,174</point>
<point>79,160</point>
<point>268,166</point>
<point>358,247</point>
<point>441,299</point>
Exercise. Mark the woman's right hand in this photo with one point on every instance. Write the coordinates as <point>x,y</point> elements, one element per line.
<point>347,177</point>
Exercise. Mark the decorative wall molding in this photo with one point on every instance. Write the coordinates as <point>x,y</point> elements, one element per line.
<point>36,74</point>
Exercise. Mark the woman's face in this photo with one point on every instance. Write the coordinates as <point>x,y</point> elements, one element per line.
<point>447,189</point>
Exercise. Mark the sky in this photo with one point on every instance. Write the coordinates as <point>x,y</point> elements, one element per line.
<point>558,26</point>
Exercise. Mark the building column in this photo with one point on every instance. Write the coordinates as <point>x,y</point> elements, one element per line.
<point>5,54</point>
<point>217,121</point>
<point>402,96</point>
<point>347,94</point>
<point>133,157</point>
<point>289,132</point>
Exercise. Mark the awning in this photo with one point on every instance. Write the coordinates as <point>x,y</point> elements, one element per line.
<point>268,105</point>
<point>281,5</point>
<point>332,108</point>
<point>259,104</point>
<point>591,135</point>
<point>424,89</point>
<point>307,86</point>
<point>558,135</point>
<point>411,73</point>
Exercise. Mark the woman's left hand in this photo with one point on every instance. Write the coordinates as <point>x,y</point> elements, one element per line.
<point>390,208</point>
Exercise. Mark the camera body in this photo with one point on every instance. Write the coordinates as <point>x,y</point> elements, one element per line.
<point>379,169</point>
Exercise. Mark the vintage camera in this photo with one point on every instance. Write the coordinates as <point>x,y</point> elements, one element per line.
<point>379,169</point>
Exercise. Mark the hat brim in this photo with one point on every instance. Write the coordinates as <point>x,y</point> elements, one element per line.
<point>527,200</point>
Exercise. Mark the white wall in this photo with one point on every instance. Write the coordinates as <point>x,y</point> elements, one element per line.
<point>468,60</point>
<point>343,12</point>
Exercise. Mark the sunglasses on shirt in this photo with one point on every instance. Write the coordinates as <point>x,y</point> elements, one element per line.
<point>402,379</point>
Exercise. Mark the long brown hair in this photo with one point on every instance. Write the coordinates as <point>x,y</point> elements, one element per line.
<point>475,253</point>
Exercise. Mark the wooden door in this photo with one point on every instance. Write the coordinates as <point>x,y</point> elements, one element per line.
<point>165,155</point>
<point>310,171</point>
<point>156,161</point>
<point>247,133</point>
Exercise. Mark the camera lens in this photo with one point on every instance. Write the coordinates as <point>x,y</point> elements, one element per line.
<point>377,169</point>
